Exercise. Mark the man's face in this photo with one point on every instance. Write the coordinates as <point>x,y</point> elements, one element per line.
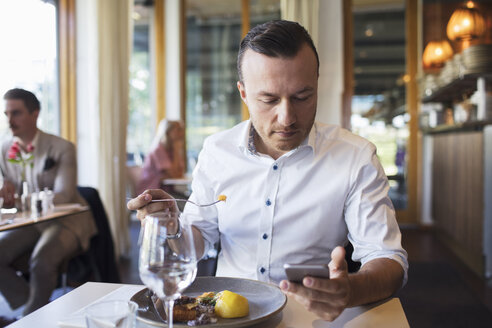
<point>21,121</point>
<point>281,95</point>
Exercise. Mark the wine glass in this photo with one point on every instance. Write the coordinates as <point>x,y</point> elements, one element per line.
<point>167,262</point>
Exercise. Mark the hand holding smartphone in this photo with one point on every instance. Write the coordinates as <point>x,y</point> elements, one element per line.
<point>297,272</point>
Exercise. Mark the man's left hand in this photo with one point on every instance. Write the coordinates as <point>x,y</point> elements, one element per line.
<point>327,298</point>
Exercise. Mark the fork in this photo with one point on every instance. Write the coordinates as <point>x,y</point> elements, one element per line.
<point>221,198</point>
<point>185,200</point>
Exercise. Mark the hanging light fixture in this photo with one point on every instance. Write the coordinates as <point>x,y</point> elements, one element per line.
<point>466,24</point>
<point>436,53</point>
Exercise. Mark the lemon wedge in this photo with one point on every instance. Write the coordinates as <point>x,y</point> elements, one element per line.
<point>231,305</point>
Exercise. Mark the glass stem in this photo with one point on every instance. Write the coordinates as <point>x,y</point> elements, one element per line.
<point>169,303</point>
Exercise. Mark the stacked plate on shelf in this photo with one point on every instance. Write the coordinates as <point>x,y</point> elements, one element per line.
<point>449,72</point>
<point>477,59</point>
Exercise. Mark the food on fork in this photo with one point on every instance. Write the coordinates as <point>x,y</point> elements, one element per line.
<point>222,198</point>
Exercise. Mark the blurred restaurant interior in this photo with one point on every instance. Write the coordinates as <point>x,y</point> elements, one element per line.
<point>412,76</point>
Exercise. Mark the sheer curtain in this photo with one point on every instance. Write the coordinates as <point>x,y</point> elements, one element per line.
<point>114,45</point>
<point>305,12</point>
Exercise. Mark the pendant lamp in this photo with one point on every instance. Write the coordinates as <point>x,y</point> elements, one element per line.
<point>466,24</point>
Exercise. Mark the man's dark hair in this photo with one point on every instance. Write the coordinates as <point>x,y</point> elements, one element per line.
<point>278,38</point>
<point>30,100</point>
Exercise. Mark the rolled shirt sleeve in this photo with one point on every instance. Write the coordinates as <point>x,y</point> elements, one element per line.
<point>370,216</point>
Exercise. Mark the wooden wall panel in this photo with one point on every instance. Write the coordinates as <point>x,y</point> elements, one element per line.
<point>457,194</point>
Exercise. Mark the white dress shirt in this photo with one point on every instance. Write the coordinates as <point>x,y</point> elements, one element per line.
<point>295,209</point>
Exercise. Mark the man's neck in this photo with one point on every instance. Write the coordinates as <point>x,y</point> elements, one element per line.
<point>27,139</point>
<point>262,148</point>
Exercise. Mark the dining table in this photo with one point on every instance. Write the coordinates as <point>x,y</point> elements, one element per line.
<point>67,311</point>
<point>180,185</point>
<point>12,219</point>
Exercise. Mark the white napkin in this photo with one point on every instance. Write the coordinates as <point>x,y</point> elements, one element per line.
<point>77,318</point>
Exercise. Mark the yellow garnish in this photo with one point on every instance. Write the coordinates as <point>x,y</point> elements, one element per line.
<point>222,198</point>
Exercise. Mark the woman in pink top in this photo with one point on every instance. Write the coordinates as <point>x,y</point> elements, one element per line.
<point>166,158</point>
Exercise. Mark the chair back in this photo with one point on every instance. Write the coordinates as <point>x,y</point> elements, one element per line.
<point>100,255</point>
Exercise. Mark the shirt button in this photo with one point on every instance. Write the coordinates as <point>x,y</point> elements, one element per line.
<point>265,236</point>
<point>262,270</point>
<point>275,166</point>
<point>268,202</point>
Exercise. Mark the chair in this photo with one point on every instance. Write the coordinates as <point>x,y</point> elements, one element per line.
<point>98,262</point>
<point>351,265</point>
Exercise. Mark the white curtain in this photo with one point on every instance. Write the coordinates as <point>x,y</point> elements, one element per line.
<point>305,12</point>
<point>115,31</point>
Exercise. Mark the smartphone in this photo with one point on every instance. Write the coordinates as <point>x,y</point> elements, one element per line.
<point>296,272</point>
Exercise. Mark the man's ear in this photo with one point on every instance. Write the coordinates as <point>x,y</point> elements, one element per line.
<point>36,113</point>
<point>242,91</point>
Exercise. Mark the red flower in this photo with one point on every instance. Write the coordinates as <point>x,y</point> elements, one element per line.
<point>15,147</point>
<point>12,154</point>
<point>14,151</point>
<point>16,156</point>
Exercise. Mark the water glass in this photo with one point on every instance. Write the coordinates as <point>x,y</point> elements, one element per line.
<point>115,313</point>
<point>167,259</point>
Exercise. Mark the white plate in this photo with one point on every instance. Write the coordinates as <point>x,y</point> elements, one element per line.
<point>265,300</point>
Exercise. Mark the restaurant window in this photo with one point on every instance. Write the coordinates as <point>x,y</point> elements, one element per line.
<point>378,104</point>
<point>29,59</point>
<point>141,122</point>
<point>213,34</point>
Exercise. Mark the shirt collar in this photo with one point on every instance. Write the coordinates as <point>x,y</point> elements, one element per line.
<point>248,140</point>
<point>310,141</point>
<point>251,140</point>
<point>34,141</point>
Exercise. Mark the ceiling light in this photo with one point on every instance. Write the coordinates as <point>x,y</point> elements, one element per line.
<point>436,53</point>
<point>466,24</point>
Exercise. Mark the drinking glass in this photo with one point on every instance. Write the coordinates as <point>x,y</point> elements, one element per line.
<point>167,265</point>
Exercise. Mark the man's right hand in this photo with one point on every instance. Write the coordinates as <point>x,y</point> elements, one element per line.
<point>8,192</point>
<point>142,203</point>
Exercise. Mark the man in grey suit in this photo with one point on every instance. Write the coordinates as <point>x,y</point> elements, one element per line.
<point>55,168</point>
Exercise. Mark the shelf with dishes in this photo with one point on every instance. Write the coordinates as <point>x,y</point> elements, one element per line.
<point>460,96</point>
<point>456,90</point>
<point>459,76</point>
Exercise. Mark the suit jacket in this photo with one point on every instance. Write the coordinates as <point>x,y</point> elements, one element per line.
<point>55,167</point>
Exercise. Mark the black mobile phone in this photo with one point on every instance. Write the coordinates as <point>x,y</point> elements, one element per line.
<point>296,272</point>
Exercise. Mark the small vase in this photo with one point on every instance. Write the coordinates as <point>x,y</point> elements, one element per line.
<point>25,197</point>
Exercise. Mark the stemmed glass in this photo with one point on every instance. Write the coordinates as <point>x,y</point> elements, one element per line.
<point>167,264</point>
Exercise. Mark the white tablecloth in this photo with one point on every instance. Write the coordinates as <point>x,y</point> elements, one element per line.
<point>67,311</point>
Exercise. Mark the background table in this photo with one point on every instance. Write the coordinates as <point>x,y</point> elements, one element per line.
<point>180,186</point>
<point>19,219</point>
<point>67,311</point>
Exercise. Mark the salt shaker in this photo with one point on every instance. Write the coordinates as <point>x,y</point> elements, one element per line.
<point>36,206</point>
<point>48,196</point>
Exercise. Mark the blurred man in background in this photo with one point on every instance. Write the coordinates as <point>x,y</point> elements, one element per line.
<point>46,244</point>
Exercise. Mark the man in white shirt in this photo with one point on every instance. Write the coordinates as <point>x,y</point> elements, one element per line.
<point>297,191</point>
